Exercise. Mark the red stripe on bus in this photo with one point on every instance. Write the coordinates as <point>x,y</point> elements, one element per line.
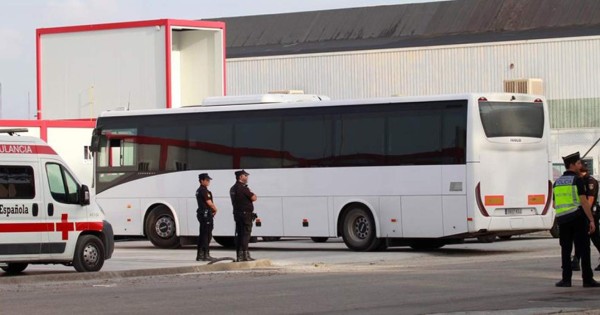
<point>26,227</point>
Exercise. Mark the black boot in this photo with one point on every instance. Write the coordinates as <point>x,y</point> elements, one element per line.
<point>575,264</point>
<point>201,256</point>
<point>207,255</point>
<point>240,256</point>
<point>247,256</point>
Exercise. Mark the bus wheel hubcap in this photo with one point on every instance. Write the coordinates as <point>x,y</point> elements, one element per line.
<point>164,227</point>
<point>361,227</point>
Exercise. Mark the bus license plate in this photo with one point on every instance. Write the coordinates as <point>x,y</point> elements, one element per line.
<point>513,211</point>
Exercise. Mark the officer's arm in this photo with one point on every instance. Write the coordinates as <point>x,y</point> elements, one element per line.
<point>212,206</point>
<point>588,212</point>
<point>253,198</point>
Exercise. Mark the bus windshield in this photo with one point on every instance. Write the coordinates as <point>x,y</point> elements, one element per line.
<point>512,119</point>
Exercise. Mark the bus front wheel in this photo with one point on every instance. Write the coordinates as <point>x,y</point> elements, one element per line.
<point>160,228</point>
<point>358,230</point>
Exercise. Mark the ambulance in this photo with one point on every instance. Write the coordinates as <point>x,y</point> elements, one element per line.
<point>45,213</point>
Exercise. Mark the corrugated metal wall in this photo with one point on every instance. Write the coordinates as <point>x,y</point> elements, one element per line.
<point>569,69</point>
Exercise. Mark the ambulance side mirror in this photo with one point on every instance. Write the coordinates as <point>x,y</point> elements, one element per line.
<point>84,195</point>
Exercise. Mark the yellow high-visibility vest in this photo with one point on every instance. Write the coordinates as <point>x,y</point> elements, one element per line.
<point>566,197</point>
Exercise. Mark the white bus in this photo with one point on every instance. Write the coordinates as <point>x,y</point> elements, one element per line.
<point>416,171</point>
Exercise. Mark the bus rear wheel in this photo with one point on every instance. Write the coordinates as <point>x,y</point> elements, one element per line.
<point>14,268</point>
<point>358,230</point>
<point>160,228</point>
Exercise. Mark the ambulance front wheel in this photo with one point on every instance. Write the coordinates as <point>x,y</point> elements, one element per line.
<point>89,254</point>
<point>15,268</point>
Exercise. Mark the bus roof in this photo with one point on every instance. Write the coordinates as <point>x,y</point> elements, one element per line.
<point>323,103</point>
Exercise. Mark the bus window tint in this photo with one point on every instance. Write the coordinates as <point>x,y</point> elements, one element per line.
<point>307,141</point>
<point>210,144</point>
<point>414,137</point>
<point>360,139</point>
<point>512,119</point>
<point>454,134</point>
<point>258,142</point>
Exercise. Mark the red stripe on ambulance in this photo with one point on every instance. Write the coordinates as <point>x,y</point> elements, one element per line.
<point>26,149</point>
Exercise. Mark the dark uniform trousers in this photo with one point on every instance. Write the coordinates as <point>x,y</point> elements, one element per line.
<point>575,231</point>
<point>205,218</point>
<point>594,237</point>
<point>243,229</point>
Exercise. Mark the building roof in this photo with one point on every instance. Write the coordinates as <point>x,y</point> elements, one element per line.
<point>409,25</point>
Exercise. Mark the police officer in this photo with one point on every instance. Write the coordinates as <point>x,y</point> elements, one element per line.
<point>205,213</point>
<point>243,214</point>
<point>575,221</point>
<point>591,189</point>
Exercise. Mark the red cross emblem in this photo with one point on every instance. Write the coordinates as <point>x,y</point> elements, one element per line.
<point>64,226</point>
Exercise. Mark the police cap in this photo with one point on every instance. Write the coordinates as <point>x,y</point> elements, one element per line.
<point>240,173</point>
<point>571,158</point>
<point>204,176</point>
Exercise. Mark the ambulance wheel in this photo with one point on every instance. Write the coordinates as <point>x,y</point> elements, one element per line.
<point>15,268</point>
<point>89,254</point>
<point>319,239</point>
<point>160,228</point>
<point>358,230</point>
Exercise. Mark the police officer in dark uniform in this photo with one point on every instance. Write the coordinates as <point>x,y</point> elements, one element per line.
<point>591,189</point>
<point>574,217</point>
<point>243,214</point>
<point>205,214</point>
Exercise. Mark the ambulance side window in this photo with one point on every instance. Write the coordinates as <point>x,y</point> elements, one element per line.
<point>16,182</point>
<point>63,186</point>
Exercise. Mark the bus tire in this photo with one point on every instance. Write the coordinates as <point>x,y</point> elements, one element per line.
<point>486,238</point>
<point>225,241</point>
<point>555,231</point>
<point>319,239</point>
<point>358,230</point>
<point>14,268</point>
<point>161,229</point>
<point>89,254</point>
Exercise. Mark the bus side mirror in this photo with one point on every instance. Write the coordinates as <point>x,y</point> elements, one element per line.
<point>95,145</point>
<point>84,195</point>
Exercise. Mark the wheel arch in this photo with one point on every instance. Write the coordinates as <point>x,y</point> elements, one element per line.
<point>101,237</point>
<point>155,205</point>
<point>357,203</point>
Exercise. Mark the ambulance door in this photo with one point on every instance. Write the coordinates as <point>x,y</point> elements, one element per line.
<point>22,224</point>
<point>62,208</point>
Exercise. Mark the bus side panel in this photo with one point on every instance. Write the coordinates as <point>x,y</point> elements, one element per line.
<point>390,215</point>
<point>422,216</point>
<point>454,199</point>
<point>306,216</point>
<point>125,215</point>
<point>224,223</point>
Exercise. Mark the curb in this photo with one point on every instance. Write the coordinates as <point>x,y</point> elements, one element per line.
<point>104,275</point>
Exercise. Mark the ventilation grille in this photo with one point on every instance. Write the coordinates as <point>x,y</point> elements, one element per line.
<point>525,86</point>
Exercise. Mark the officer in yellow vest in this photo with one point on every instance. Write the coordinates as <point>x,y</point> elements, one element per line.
<point>575,221</point>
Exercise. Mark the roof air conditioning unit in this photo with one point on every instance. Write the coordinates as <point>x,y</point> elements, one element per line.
<point>525,86</point>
